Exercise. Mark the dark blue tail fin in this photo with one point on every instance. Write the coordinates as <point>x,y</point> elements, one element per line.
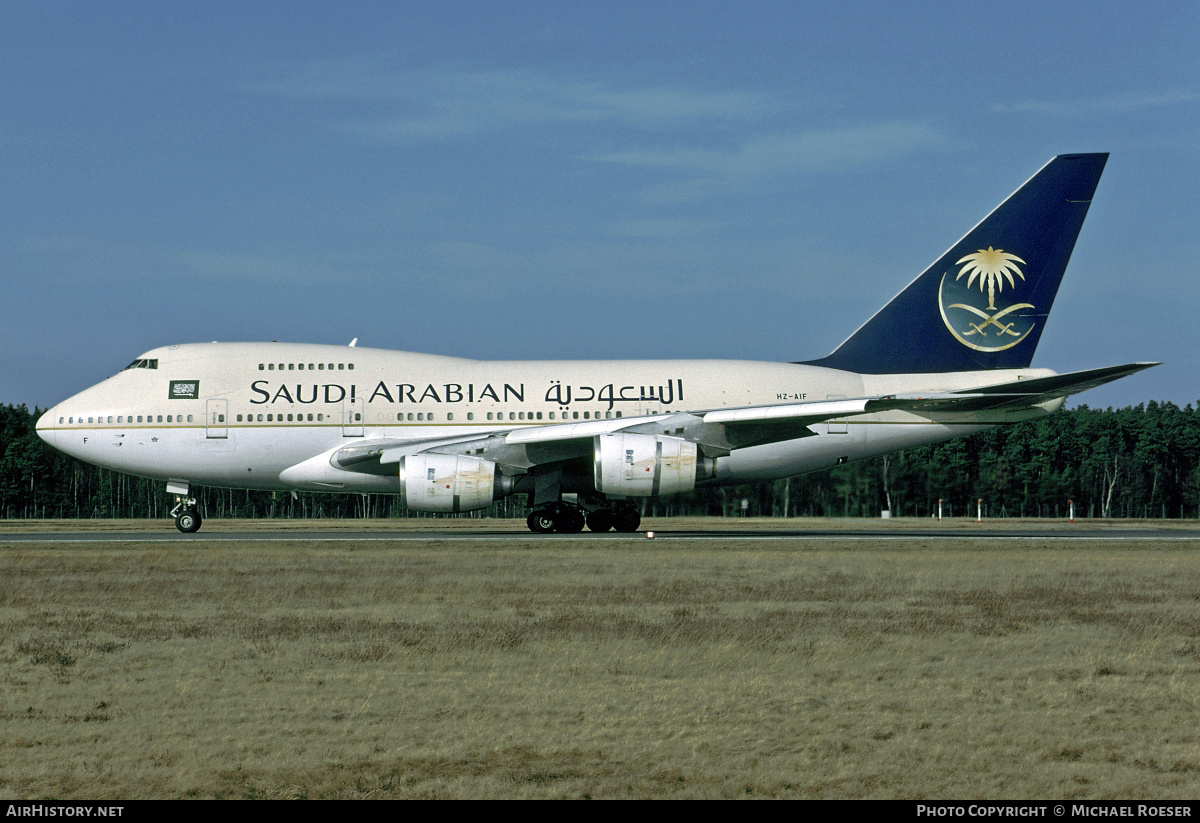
<point>984,303</point>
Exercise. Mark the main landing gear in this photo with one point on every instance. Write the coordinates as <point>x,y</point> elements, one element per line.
<point>566,518</point>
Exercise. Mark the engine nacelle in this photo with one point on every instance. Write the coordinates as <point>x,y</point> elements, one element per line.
<point>450,483</point>
<point>646,465</point>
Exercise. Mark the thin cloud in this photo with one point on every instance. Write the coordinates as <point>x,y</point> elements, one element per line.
<point>70,259</point>
<point>662,228</point>
<point>261,268</point>
<point>1105,104</point>
<point>430,104</point>
<point>805,152</point>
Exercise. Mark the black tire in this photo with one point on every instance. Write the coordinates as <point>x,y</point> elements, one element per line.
<point>188,521</point>
<point>627,520</point>
<point>541,522</point>
<point>569,521</point>
<point>600,520</point>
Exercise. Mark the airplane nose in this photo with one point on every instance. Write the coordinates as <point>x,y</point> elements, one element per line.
<point>45,427</point>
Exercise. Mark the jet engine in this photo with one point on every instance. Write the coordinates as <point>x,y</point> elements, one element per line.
<point>450,483</point>
<point>645,465</point>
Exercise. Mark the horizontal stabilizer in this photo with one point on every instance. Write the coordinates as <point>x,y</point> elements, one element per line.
<point>1023,393</point>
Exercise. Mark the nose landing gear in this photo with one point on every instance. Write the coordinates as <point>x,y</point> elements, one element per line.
<point>188,521</point>
<point>187,516</point>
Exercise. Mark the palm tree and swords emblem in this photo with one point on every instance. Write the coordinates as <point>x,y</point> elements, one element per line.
<point>992,268</point>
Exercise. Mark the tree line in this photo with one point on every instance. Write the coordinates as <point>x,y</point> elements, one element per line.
<point>1140,461</point>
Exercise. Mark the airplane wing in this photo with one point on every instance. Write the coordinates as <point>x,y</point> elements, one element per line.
<point>717,432</point>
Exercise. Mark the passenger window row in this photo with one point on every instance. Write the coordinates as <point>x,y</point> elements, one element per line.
<point>302,366</point>
<point>279,418</point>
<point>319,418</point>
<point>496,416</point>
<point>128,418</point>
<point>565,415</point>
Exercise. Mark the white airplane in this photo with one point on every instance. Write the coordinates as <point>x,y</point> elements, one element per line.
<point>585,441</point>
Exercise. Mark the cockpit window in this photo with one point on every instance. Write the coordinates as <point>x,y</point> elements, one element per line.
<point>142,363</point>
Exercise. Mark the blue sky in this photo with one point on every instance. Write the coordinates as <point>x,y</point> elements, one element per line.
<point>576,180</point>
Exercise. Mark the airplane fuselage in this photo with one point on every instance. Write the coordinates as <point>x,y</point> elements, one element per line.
<point>241,414</point>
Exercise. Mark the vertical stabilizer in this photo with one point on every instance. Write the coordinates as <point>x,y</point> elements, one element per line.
<point>984,303</point>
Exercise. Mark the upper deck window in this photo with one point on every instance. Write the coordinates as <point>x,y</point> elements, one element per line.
<point>272,366</point>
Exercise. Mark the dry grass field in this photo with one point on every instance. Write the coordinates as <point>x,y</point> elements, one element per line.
<point>914,668</point>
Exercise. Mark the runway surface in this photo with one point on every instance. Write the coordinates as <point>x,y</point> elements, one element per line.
<point>988,532</point>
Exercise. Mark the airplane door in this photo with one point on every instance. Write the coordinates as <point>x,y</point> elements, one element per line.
<point>216,419</point>
<point>352,418</point>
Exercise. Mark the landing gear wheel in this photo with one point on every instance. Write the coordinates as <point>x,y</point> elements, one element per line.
<point>568,521</point>
<point>627,520</point>
<point>601,520</point>
<point>541,521</point>
<point>560,518</point>
<point>188,521</point>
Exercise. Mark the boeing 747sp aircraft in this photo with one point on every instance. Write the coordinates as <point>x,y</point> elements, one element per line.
<point>587,441</point>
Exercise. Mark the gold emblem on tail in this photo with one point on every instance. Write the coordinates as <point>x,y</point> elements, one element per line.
<point>992,268</point>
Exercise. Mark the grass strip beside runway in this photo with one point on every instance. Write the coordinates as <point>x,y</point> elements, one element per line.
<point>519,668</point>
